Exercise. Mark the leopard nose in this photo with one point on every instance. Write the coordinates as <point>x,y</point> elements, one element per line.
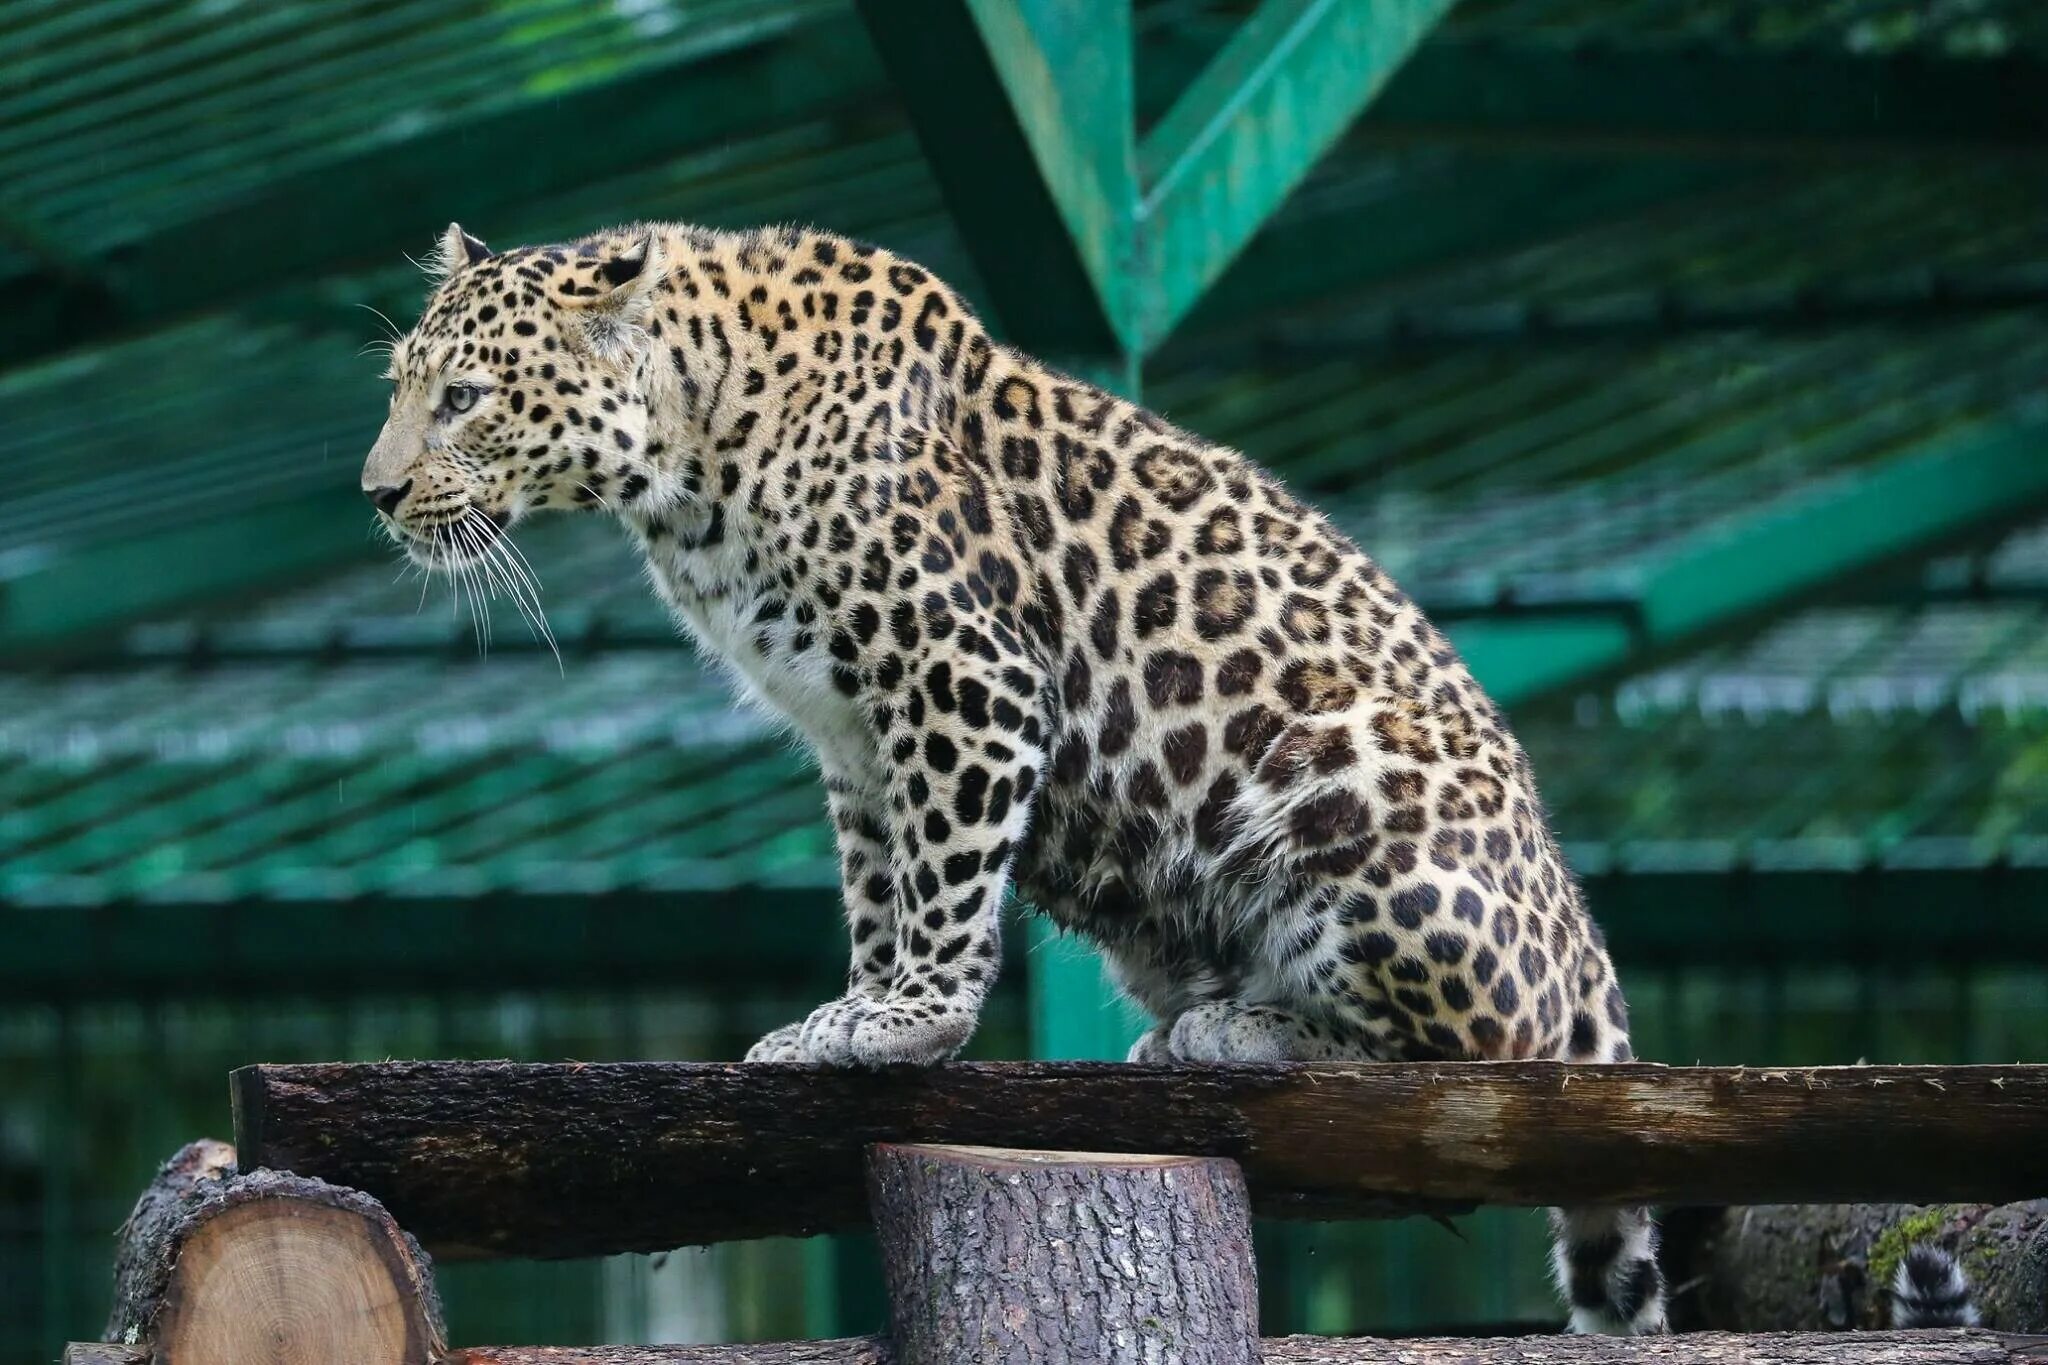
<point>387,498</point>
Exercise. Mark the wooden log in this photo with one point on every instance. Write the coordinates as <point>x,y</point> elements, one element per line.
<point>102,1353</point>
<point>1779,1268</point>
<point>1706,1348</point>
<point>1702,1348</point>
<point>845,1351</point>
<point>1027,1257</point>
<point>573,1160</point>
<point>222,1267</point>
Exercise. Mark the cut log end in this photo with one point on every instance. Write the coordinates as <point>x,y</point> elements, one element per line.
<point>222,1268</point>
<point>1150,1256</point>
<point>285,1281</point>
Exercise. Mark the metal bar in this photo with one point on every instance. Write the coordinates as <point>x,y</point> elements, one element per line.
<point>1249,127</point>
<point>1024,110</point>
<point>1865,516</point>
<point>1713,98</point>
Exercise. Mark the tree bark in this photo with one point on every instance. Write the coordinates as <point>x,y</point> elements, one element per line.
<point>845,1351</point>
<point>1045,1258</point>
<point>1713,1348</point>
<point>572,1160</point>
<point>1824,1348</point>
<point>1801,1267</point>
<point>101,1353</point>
<point>218,1267</point>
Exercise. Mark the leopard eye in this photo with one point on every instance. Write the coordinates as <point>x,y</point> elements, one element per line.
<point>459,397</point>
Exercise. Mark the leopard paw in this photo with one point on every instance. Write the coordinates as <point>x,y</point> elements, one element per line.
<point>917,1032</point>
<point>782,1045</point>
<point>824,1035</point>
<point>1154,1045</point>
<point>1227,1031</point>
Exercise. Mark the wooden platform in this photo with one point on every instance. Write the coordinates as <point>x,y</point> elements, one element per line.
<point>496,1159</point>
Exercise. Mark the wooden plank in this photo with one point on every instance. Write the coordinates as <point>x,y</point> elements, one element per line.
<point>103,1353</point>
<point>498,1159</point>
<point>1704,1348</point>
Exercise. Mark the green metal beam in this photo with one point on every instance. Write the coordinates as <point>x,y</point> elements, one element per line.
<point>1067,71</point>
<point>1863,517</point>
<point>1705,99</point>
<point>1518,658</point>
<point>257,947</point>
<point>1716,99</point>
<point>322,220</point>
<point>1076,1014</point>
<point>1767,556</point>
<point>1045,173</point>
<point>1739,914</point>
<point>1475,206</point>
<point>1024,113</point>
<point>1248,128</point>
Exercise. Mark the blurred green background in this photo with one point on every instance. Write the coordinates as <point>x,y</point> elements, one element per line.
<point>1686,358</point>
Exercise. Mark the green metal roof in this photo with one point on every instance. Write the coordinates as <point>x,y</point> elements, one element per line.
<point>1986,29</point>
<point>1842,739</point>
<point>1586,404</point>
<point>1601,462</point>
<point>122,116</point>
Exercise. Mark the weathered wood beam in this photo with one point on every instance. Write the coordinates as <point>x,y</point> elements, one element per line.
<point>1706,1348</point>
<point>515,1160</point>
<point>1247,129</point>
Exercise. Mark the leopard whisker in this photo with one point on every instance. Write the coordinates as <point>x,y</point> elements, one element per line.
<point>522,585</point>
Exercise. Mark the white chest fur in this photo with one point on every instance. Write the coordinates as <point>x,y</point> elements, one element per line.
<point>777,663</point>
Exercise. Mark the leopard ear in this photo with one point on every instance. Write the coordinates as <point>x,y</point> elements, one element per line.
<point>455,250</point>
<point>616,319</point>
<point>634,275</point>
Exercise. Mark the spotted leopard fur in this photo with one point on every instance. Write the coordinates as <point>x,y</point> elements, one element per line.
<point>1034,634</point>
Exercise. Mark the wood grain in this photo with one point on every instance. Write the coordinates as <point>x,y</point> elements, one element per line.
<point>217,1266</point>
<point>1706,1348</point>
<point>575,1160</point>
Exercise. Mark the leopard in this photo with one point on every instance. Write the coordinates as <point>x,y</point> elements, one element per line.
<point>1038,640</point>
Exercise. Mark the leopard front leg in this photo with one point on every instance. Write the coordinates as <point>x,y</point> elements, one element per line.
<point>963,741</point>
<point>867,879</point>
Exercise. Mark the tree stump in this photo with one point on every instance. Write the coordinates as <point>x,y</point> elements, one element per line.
<point>1042,1258</point>
<point>1794,1267</point>
<point>217,1267</point>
